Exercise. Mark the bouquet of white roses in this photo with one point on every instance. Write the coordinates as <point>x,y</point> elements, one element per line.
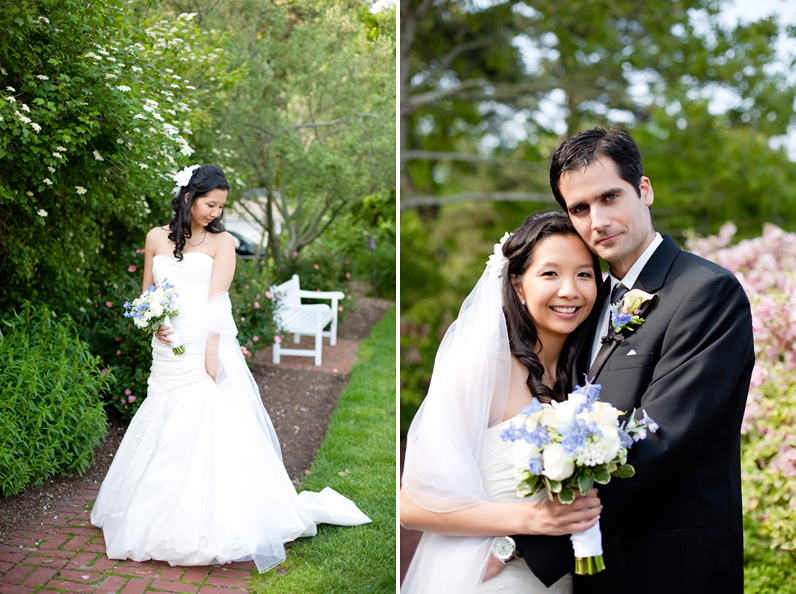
<point>153,308</point>
<point>564,446</point>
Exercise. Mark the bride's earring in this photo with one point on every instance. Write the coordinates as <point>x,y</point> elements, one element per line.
<point>522,301</point>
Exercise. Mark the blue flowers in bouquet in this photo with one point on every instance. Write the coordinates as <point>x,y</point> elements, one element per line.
<point>566,446</point>
<point>154,308</point>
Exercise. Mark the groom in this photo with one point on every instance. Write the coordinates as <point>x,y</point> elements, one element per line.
<point>676,526</point>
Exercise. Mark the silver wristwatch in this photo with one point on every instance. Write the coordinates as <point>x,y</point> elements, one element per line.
<point>504,549</point>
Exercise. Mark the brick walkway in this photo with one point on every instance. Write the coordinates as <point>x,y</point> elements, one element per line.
<point>61,551</point>
<point>336,359</point>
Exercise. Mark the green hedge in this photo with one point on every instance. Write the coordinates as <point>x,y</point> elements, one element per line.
<point>51,414</point>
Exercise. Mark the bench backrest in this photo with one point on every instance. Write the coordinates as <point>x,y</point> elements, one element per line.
<point>289,291</point>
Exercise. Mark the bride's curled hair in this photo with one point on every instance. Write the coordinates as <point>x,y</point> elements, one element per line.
<point>523,337</point>
<point>203,180</point>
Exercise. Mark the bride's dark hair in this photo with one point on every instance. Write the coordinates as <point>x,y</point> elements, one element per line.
<point>523,337</point>
<point>203,180</point>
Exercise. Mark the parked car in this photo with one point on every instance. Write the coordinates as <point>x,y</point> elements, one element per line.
<point>244,247</point>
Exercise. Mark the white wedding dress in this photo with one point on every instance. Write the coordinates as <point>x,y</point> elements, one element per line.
<point>501,485</point>
<point>198,478</point>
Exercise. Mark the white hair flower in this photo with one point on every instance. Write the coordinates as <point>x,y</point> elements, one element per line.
<point>183,178</point>
<point>497,261</point>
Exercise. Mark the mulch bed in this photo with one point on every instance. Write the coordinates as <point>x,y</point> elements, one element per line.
<point>300,404</point>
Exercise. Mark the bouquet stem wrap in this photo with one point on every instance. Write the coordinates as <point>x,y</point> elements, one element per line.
<point>174,338</point>
<point>588,547</point>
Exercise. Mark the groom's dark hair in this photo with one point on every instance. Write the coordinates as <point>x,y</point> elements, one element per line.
<point>581,150</point>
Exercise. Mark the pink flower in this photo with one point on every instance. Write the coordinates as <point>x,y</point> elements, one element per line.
<point>339,308</point>
<point>104,371</point>
<point>277,339</point>
<point>348,296</point>
<point>247,286</point>
<point>131,399</point>
<point>108,304</point>
<point>118,352</point>
<point>139,251</point>
<point>256,305</point>
<point>295,254</point>
<point>347,262</point>
<point>127,391</point>
<point>348,275</point>
<point>317,290</point>
<point>316,267</point>
<point>255,338</point>
<point>268,294</point>
<point>257,297</point>
<point>132,268</point>
<point>122,399</point>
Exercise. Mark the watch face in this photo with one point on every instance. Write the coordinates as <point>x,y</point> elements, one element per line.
<point>503,548</point>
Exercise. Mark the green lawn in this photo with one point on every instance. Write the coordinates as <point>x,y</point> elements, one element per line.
<point>361,438</point>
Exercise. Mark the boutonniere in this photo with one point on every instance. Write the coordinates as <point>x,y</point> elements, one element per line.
<point>625,313</point>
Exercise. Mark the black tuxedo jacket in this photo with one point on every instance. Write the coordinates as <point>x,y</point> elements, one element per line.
<point>676,526</point>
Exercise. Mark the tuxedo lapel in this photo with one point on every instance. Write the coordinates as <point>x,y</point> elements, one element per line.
<point>653,275</point>
<point>652,278</point>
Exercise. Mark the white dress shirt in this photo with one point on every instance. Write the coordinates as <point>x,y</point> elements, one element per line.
<point>629,280</point>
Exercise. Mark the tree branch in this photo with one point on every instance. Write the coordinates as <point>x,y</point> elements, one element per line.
<point>415,201</point>
<point>420,155</point>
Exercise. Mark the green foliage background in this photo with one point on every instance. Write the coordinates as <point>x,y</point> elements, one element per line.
<point>51,414</point>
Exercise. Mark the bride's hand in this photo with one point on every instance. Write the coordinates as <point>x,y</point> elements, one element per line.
<point>212,361</point>
<point>493,568</point>
<point>163,332</point>
<point>555,518</point>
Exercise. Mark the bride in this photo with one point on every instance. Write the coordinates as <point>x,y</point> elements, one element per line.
<point>198,477</point>
<point>514,340</point>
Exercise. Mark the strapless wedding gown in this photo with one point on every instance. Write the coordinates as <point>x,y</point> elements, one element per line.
<point>501,485</point>
<point>198,477</point>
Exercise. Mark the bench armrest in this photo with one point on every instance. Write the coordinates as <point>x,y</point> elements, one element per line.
<point>322,294</point>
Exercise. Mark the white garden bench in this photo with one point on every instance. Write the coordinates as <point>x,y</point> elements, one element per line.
<point>308,319</point>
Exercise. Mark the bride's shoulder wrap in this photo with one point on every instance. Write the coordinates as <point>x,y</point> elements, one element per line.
<point>444,469</point>
<point>217,320</point>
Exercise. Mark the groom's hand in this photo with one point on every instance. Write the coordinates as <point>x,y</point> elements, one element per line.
<point>555,519</point>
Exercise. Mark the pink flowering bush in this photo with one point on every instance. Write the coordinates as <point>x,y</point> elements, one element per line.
<point>253,308</point>
<point>766,267</point>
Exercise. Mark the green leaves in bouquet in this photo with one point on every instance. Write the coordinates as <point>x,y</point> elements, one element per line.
<point>530,485</point>
<point>602,477</point>
<point>51,413</point>
<point>566,496</point>
<point>586,482</point>
<point>624,471</point>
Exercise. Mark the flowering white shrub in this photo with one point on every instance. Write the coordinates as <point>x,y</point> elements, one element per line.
<point>766,267</point>
<point>92,133</point>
